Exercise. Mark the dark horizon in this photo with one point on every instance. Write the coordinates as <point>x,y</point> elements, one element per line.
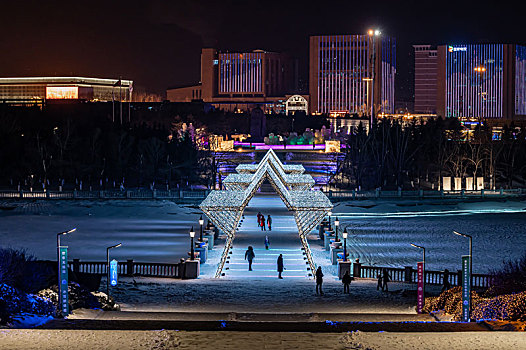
<point>158,44</point>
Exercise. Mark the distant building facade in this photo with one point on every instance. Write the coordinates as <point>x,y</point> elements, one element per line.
<point>242,80</point>
<point>350,73</point>
<point>64,88</point>
<point>425,79</point>
<point>482,81</point>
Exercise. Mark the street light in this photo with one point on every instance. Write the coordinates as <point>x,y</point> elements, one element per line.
<point>192,234</point>
<point>108,268</point>
<point>470,264</point>
<point>372,36</point>
<point>345,244</point>
<point>480,70</point>
<point>423,272</point>
<point>201,222</point>
<point>330,213</point>
<point>337,224</point>
<point>58,259</point>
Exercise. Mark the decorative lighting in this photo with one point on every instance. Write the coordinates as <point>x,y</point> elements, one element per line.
<point>225,208</point>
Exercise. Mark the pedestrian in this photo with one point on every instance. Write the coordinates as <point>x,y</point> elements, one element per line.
<point>385,279</point>
<point>259,218</point>
<point>249,256</point>
<point>263,226</point>
<point>319,280</point>
<point>269,223</point>
<point>379,285</point>
<point>267,243</point>
<point>280,266</point>
<point>445,281</point>
<point>346,280</point>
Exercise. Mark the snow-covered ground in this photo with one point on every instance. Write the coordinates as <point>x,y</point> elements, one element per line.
<point>164,339</point>
<point>380,232</point>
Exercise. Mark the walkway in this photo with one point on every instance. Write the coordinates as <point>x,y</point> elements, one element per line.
<point>283,238</point>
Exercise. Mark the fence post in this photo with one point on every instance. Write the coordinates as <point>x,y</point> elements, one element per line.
<point>76,266</point>
<point>154,193</point>
<point>74,194</point>
<point>357,269</point>
<point>501,191</point>
<point>399,192</point>
<point>442,193</point>
<point>129,267</point>
<point>127,194</point>
<point>101,194</point>
<point>377,194</point>
<point>353,194</point>
<point>21,193</point>
<point>408,274</point>
<point>421,193</point>
<point>482,193</point>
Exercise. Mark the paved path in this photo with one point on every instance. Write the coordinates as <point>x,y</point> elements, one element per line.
<point>283,238</point>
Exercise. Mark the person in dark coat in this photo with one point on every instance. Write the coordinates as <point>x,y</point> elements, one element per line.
<point>269,223</point>
<point>249,255</point>
<point>267,243</point>
<point>445,281</point>
<point>346,280</point>
<point>385,279</point>
<point>280,266</point>
<point>379,285</point>
<point>319,280</point>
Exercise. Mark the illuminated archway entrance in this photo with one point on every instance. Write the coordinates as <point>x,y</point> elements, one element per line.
<point>225,208</point>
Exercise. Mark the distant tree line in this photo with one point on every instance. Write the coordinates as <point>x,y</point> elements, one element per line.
<point>418,155</point>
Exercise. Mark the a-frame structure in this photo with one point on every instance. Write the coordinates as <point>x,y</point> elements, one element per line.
<point>225,208</point>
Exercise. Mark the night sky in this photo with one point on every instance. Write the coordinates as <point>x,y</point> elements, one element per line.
<point>157,43</point>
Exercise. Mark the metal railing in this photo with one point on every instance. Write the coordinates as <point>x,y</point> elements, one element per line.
<point>409,274</point>
<point>334,194</point>
<point>106,194</point>
<point>127,268</point>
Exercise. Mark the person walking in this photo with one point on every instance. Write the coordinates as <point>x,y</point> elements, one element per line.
<point>319,280</point>
<point>385,279</point>
<point>259,218</point>
<point>269,223</point>
<point>445,281</point>
<point>346,280</point>
<point>263,226</point>
<point>267,243</point>
<point>379,285</point>
<point>249,255</point>
<point>280,266</point>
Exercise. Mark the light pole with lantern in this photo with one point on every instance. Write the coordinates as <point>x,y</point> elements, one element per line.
<point>108,268</point>
<point>330,213</point>
<point>192,234</point>
<point>336,225</point>
<point>201,222</point>
<point>345,244</point>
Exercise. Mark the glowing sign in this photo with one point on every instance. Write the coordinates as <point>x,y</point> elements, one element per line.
<point>113,272</point>
<point>62,92</point>
<point>457,49</point>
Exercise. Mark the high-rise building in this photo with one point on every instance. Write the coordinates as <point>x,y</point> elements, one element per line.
<point>425,79</point>
<point>351,73</point>
<point>486,81</point>
<point>241,80</point>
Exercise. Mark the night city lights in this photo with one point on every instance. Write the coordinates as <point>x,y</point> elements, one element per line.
<point>262,175</point>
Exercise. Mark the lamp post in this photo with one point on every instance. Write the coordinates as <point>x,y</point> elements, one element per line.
<point>470,264</point>
<point>345,244</point>
<point>330,213</point>
<point>58,259</point>
<point>481,70</point>
<point>372,36</point>
<point>192,234</point>
<point>424,261</point>
<point>201,222</point>
<point>337,224</point>
<point>108,268</point>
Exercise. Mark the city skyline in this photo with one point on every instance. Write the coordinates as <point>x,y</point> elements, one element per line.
<point>158,44</point>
